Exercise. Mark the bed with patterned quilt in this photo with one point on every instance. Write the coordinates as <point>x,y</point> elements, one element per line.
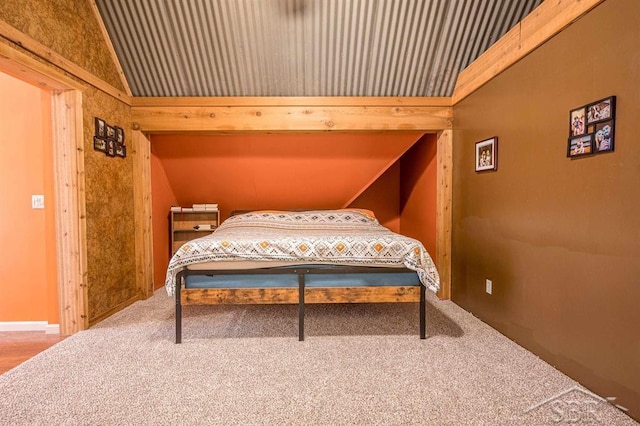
<point>301,257</point>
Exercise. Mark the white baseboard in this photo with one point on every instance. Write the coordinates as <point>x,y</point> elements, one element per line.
<point>52,329</point>
<point>30,326</point>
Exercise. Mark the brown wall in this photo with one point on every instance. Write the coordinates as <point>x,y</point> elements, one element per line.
<point>558,237</point>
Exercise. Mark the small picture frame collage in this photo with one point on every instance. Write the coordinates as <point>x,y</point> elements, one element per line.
<point>109,139</point>
<point>591,128</point>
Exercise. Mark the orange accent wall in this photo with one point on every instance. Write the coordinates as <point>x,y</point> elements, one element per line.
<point>383,198</point>
<point>418,192</point>
<point>28,280</point>
<point>280,171</point>
<point>283,171</point>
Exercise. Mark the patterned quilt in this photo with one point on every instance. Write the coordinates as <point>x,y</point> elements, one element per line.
<point>323,236</point>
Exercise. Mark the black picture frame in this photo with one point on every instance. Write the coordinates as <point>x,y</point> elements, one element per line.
<point>580,145</point>
<point>119,135</point>
<point>101,128</point>
<point>99,144</point>
<point>486,158</point>
<point>111,132</point>
<point>111,147</point>
<point>602,110</point>
<point>604,137</point>
<point>577,124</point>
<point>121,151</point>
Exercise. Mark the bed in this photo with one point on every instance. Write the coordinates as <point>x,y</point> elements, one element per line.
<point>300,257</point>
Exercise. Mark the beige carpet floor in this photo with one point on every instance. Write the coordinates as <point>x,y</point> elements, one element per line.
<point>359,365</point>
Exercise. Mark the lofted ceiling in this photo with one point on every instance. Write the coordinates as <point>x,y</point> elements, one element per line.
<point>303,47</point>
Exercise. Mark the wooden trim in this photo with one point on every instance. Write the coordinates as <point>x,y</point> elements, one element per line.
<point>15,36</point>
<point>28,69</point>
<point>444,196</point>
<point>68,152</point>
<point>361,294</point>
<point>238,296</point>
<point>544,22</point>
<point>237,119</point>
<point>141,154</point>
<point>112,51</point>
<point>246,296</point>
<point>117,308</point>
<point>310,101</point>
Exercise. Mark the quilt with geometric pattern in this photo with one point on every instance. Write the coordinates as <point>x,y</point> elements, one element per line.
<point>334,237</point>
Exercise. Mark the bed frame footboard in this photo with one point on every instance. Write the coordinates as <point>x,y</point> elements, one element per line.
<point>301,295</point>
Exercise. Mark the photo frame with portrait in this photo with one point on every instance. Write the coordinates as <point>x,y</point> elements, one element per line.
<point>602,110</point>
<point>487,155</point>
<point>580,145</point>
<point>101,128</point>
<point>577,125</point>
<point>99,144</point>
<point>604,136</point>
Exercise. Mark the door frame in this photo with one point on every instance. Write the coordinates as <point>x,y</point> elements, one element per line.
<point>69,181</point>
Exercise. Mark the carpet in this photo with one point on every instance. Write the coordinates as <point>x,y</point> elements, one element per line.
<point>360,364</point>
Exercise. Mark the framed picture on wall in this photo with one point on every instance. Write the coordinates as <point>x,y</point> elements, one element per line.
<point>592,128</point>
<point>601,110</point>
<point>101,128</point>
<point>121,151</point>
<point>577,125</point>
<point>580,145</point>
<point>111,132</point>
<point>487,155</point>
<point>604,136</point>
<point>99,144</point>
<point>119,135</point>
<point>111,148</point>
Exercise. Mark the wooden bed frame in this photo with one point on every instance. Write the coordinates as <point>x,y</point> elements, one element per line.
<point>301,295</point>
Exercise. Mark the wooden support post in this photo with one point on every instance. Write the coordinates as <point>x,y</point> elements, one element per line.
<point>141,153</point>
<point>68,152</point>
<point>444,180</point>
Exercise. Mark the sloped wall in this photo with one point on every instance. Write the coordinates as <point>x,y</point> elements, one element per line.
<point>558,236</point>
<point>418,192</point>
<point>276,171</point>
<point>68,27</point>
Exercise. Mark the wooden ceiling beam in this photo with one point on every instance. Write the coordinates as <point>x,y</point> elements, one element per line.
<point>301,118</point>
<point>290,101</point>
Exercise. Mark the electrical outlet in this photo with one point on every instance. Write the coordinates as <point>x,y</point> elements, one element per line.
<point>489,286</point>
<point>37,201</point>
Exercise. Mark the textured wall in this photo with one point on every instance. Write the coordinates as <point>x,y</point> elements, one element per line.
<point>110,223</point>
<point>68,27</point>
<point>559,237</point>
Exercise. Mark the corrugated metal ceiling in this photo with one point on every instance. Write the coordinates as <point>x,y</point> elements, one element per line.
<point>303,47</point>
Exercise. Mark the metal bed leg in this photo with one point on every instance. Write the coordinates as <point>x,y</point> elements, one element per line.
<point>178,311</point>
<point>300,307</point>
<point>423,319</point>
